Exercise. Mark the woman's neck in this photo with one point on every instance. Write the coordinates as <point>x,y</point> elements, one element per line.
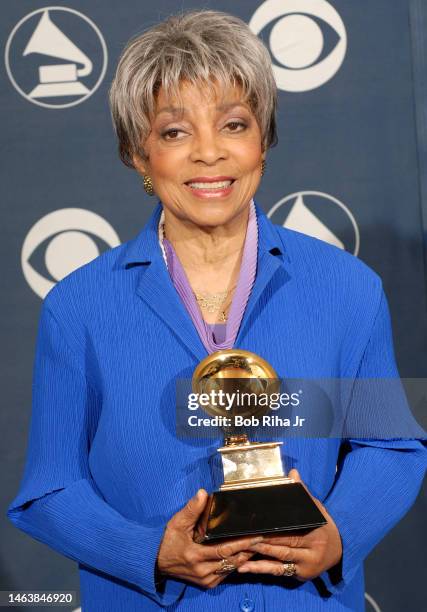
<point>210,256</point>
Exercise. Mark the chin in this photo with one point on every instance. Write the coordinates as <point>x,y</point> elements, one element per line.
<point>213,213</point>
<point>211,218</point>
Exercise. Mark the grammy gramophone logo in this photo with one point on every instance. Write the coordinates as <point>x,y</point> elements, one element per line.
<point>56,57</point>
<point>320,215</point>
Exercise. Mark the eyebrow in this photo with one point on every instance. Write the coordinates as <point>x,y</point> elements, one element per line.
<point>174,110</point>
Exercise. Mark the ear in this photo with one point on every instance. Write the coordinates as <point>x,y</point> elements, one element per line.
<point>139,164</point>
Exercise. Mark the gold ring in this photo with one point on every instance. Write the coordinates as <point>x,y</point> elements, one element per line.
<point>225,567</point>
<point>289,569</point>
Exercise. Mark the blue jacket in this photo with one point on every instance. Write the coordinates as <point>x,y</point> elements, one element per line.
<point>105,470</point>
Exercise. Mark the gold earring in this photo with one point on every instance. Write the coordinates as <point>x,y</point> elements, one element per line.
<point>263,167</point>
<point>148,185</point>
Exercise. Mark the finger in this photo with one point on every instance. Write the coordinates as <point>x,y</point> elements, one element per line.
<point>232,547</point>
<point>197,554</point>
<point>214,580</point>
<point>207,569</point>
<point>204,570</point>
<point>229,548</point>
<point>241,558</point>
<point>292,541</point>
<point>224,550</point>
<point>295,475</point>
<point>263,567</point>
<point>189,515</point>
<point>283,553</point>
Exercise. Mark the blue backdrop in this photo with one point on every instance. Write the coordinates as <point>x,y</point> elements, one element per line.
<point>350,168</point>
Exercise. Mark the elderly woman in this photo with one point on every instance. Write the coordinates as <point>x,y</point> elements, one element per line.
<point>107,482</point>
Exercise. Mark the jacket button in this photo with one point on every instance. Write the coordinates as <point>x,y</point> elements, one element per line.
<point>247,605</point>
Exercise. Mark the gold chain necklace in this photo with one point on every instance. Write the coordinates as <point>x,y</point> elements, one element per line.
<point>212,302</point>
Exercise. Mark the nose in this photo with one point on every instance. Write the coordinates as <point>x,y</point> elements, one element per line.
<point>208,146</point>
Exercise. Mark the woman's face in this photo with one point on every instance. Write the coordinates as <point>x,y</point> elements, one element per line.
<point>215,137</point>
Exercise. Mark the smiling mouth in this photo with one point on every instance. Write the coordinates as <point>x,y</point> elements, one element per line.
<point>210,186</point>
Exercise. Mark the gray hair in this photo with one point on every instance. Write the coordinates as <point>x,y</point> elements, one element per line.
<point>196,46</point>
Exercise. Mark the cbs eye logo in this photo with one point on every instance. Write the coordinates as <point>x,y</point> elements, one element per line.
<point>68,239</point>
<point>300,33</point>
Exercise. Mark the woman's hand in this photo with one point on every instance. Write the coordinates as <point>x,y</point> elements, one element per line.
<point>312,553</point>
<point>181,557</point>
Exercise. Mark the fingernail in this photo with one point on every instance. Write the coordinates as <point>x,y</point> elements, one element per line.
<point>242,569</point>
<point>257,540</point>
<point>196,497</point>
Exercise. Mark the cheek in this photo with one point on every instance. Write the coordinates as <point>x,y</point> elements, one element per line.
<point>164,163</point>
<point>252,164</point>
<point>249,155</point>
<point>164,160</point>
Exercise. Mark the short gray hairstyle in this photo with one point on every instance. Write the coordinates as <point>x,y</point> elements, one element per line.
<point>195,46</point>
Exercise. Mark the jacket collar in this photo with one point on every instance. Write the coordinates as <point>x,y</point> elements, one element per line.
<point>156,288</point>
<point>145,246</point>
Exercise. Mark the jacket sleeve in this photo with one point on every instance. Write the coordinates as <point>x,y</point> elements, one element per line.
<point>378,479</point>
<point>58,502</point>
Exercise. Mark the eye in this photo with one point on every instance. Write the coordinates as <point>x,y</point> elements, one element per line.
<point>62,241</point>
<point>172,132</point>
<point>307,43</point>
<point>234,124</point>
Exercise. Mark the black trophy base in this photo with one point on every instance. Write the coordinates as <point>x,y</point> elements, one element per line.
<point>268,509</point>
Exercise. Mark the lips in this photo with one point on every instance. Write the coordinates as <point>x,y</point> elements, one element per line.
<point>209,179</point>
<point>210,182</point>
<point>211,186</point>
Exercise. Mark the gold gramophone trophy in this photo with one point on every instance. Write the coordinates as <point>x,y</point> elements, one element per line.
<point>256,496</point>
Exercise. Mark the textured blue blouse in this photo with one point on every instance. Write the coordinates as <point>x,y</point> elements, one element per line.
<point>105,470</point>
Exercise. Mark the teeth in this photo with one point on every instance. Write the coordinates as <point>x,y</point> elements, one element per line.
<point>216,185</point>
